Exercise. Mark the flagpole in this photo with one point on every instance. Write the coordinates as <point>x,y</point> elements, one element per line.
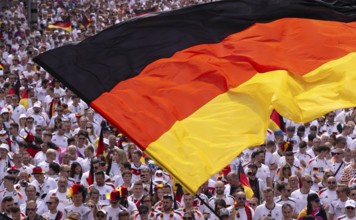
<point>207,205</point>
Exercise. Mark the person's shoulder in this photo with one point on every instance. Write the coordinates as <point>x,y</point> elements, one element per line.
<point>341,217</point>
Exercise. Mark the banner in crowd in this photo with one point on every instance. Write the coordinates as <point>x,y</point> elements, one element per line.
<point>195,87</point>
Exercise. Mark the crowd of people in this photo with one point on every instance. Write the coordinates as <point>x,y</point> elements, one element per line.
<point>50,167</point>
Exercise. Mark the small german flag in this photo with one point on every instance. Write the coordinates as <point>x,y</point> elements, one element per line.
<point>245,183</point>
<point>64,25</point>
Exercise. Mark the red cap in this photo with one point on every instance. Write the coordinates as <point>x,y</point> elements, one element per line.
<point>37,170</point>
<point>114,196</point>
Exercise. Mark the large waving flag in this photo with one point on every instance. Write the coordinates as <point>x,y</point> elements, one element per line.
<point>194,87</point>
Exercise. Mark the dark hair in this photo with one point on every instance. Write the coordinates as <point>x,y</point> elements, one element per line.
<point>7,199</point>
<point>55,167</point>
<point>100,173</point>
<point>11,178</point>
<point>72,169</point>
<point>15,209</point>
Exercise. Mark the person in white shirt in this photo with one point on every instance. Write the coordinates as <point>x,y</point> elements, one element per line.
<point>168,213</point>
<point>285,191</point>
<point>328,194</point>
<point>53,212</point>
<point>337,163</point>
<point>103,187</point>
<point>337,207</point>
<point>78,194</point>
<point>300,195</point>
<point>263,171</point>
<point>219,194</point>
<point>60,193</point>
<point>42,183</point>
<point>58,138</point>
<point>241,210</point>
<point>318,165</point>
<point>17,109</point>
<point>350,214</point>
<point>269,209</point>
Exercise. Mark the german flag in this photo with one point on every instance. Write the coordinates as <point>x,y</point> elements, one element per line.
<point>64,25</point>
<point>194,87</point>
<point>276,122</point>
<point>244,182</point>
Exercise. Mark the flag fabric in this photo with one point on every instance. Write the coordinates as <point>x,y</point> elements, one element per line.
<point>64,25</point>
<point>84,22</point>
<point>101,147</point>
<point>276,122</point>
<point>24,98</point>
<point>195,87</point>
<point>244,182</point>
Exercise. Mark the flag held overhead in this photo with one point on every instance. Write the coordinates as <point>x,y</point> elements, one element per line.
<point>195,87</point>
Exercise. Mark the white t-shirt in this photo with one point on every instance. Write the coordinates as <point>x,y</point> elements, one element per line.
<point>337,208</point>
<point>263,172</point>
<point>262,211</point>
<point>327,196</point>
<point>300,199</point>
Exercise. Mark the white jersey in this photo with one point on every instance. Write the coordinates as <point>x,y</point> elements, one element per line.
<point>300,199</point>
<point>316,168</point>
<point>84,212</point>
<point>113,213</point>
<point>169,216</point>
<point>327,196</point>
<point>263,172</point>
<point>103,190</point>
<point>64,201</point>
<point>337,208</point>
<point>262,211</point>
<point>48,184</point>
<point>290,201</point>
<point>344,217</point>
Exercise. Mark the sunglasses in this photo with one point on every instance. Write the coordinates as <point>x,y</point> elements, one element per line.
<point>331,182</point>
<point>12,172</point>
<point>350,208</point>
<point>310,182</point>
<point>100,216</point>
<point>31,209</point>
<point>241,198</point>
<point>49,203</point>
<point>336,153</point>
<point>253,204</point>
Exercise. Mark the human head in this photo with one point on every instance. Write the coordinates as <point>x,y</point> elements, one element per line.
<point>167,202</point>
<point>253,203</point>
<point>240,197</point>
<point>287,211</point>
<point>219,187</point>
<point>52,203</point>
<point>7,203</point>
<point>350,208</point>
<point>143,211</point>
<point>307,182</point>
<point>268,194</point>
<point>331,183</point>
<point>313,202</point>
<point>31,208</point>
